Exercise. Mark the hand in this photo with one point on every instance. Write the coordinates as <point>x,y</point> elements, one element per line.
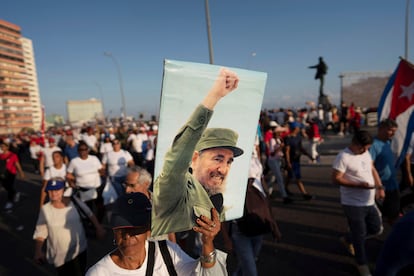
<point>226,82</point>
<point>380,194</point>
<point>209,228</point>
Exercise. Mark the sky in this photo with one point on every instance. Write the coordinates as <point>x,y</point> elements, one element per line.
<point>279,37</point>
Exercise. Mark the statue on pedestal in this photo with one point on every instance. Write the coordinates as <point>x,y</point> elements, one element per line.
<point>321,70</point>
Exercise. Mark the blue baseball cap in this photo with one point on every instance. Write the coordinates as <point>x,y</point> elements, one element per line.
<point>54,184</point>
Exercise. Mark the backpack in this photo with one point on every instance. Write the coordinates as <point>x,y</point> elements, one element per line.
<point>257,218</point>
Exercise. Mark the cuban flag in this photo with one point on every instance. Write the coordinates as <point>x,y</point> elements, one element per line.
<point>397,102</point>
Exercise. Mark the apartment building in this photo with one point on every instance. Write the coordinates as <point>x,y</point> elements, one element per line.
<point>15,103</point>
<point>32,82</point>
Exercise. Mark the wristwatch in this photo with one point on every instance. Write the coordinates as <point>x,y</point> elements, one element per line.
<point>210,258</point>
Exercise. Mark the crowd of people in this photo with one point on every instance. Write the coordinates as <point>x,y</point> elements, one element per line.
<point>77,165</point>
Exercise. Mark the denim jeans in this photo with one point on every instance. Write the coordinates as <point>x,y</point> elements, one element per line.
<point>274,165</point>
<point>247,250</point>
<point>364,222</point>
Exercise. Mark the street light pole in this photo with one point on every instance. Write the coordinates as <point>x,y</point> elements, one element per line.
<point>407,15</point>
<point>102,99</point>
<point>109,54</point>
<point>210,43</point>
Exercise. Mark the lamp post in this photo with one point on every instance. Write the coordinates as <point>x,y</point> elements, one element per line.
<point>102,100</point>
<point>121,87</point>
<point>210,43</point>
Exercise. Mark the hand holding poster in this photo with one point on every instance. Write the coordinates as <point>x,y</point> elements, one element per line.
<point>198,168</point>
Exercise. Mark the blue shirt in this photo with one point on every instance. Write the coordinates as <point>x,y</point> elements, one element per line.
<point>71,152</point>
<point>384,161</point>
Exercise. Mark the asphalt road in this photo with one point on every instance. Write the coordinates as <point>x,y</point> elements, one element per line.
<point>310,229</point>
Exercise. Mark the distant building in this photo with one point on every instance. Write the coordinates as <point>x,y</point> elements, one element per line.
<point>84,110</point>
<point>364,89</point>
<point>54,120</point>
<point>32,82</point>
<point>15,81</point>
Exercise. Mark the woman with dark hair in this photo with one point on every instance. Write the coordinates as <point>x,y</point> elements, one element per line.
<point>57,170</point>
<point>84,174</point>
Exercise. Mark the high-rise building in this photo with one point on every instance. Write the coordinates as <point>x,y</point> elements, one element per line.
<point>15,104</point>
<point>32,82</point>
<point>83,111</point>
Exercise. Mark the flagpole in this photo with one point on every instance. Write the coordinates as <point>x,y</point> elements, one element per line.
<point>407,15</point>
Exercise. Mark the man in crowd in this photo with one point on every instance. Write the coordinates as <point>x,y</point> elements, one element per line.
<point>359,184</point>
<point>135,255</point>
<point>384,163</point>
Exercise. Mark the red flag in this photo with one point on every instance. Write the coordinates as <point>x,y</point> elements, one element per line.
<point>42,126</point>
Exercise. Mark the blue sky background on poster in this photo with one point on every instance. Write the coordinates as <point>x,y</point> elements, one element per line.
<point>185,84</point>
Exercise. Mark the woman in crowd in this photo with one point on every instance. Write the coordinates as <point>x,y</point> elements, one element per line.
<point>117,163</point>
<point>59,223</point>
<point>57,170</point>
<point>84,174</point>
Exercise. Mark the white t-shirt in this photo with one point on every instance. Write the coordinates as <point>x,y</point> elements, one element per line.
<point>275,146</point>
<point>357,168</point>
<point>106,147</point>
<point>256,172</point>
<point>53,172</point>
<point>183,264</point>
<point>117,162</point>
<point>48,152</point>
<point>90,140</point>
<point>86,171</point>
<point>64,232</point>
<point>34,151</point>
<point>137,142</point>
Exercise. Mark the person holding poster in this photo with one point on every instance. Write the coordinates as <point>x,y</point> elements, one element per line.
<point>183,194</point>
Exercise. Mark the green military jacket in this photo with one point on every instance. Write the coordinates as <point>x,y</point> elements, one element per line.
<point>178,198</point>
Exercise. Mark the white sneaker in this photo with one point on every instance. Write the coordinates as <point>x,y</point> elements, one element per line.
<point>8,205</point>
<point>364,270</point>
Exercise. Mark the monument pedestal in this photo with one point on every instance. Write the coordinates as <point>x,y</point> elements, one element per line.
<point>324,101</point>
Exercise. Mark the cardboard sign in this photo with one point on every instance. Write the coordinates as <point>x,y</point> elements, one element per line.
<point>185,85</point>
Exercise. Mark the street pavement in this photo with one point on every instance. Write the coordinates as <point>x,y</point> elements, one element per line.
<point>310,229</point>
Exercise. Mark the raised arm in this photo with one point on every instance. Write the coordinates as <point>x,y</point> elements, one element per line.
<point>226,82</point>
